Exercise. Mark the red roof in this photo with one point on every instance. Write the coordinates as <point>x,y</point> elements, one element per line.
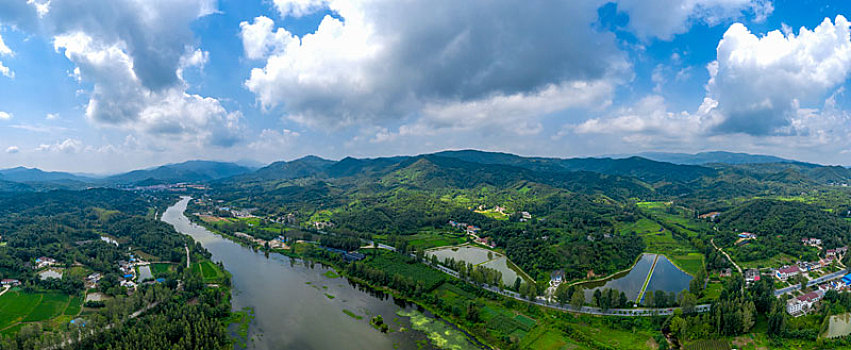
<point>808,297</point>
<point>790,269</point>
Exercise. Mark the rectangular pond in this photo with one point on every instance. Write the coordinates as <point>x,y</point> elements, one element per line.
<point>666,277</point>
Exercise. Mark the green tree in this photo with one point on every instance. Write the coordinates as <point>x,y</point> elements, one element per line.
<point>578,298</point>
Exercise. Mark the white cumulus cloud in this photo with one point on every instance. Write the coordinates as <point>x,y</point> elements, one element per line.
<point>761,82</point>
<point>665,18</point>
<point>5,115</point>
<point>388,60</point>
<point>134,54</point>
<point>12,149</point>
<point>5,51</point>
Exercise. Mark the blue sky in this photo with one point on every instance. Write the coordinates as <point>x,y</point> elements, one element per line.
<point>110,85</point>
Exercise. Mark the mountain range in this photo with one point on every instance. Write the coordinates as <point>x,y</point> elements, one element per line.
<point>649,168</point>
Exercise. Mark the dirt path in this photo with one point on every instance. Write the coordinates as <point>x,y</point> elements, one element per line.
<point>725,254</point>
<point>8,288</point>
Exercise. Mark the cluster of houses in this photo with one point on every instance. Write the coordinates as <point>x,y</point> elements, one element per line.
<point>470,229</point>
<point>525,216</point>
<point>320,225</point>
<point>831,255</point>
<point>128,272</point>
<point>836,252</point>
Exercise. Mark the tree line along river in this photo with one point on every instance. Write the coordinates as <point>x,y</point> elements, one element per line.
<point>297,306</point>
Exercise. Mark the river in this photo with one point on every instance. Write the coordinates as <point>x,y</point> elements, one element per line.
<point>296,306</point>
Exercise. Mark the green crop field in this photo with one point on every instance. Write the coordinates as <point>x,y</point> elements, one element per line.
<point>15,306</point>
<point>426,240</point>
<point>160,270</point>
<point>527,323</point>
<point>549,340</point>
<point>51,305</point>
<point>641,227</point>
<point>394,263</point>
<point>691,263</point>
<point>74,306</point>
<point>708,344</point>
<point>208,270</point>
<point>18,308</point>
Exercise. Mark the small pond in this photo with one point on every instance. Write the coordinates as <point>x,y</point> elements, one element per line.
<point>478,256</point>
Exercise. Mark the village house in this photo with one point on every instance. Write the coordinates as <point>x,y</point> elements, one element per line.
<point>826,261</point>
<point>811,241</point>
<point>841,250</point>
<point>786,272</point>
<point>93,279</point>
<point>526,215</point>
<point>800,305</point>
<point>556,278</point>
<point>751,275</point>
<point>473,229</point>
<point>747,235</point>
<point>10,282</point>
<point>725,272</point>
<point>711,216</point>
<point>44,262</point>
<point>809,266</point>
<point>830,253</point>
<point>129,284</point>
<point>486,241</point>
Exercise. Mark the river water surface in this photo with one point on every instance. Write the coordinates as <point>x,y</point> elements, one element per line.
<point>296,306</point>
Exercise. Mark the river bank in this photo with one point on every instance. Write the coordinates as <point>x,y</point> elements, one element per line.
<point>291,300</point>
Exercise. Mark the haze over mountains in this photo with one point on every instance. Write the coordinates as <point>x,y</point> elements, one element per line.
<point>647,167</point>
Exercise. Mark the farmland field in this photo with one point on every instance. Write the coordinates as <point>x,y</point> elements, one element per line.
<point>51,305</point>
<point>159,270</point>
<point>18,308</point>
<point>208,270</point>
<point>708,344</point>
<point>15,306</point>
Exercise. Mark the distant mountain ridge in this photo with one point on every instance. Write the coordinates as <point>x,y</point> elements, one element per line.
<point>190,171</point>
<point>712,157</point>
<point>643,169</point>
<point>23,174</point>
<point>666,171</point>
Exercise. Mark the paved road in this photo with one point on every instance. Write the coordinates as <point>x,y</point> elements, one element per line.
<point>6,289</point>
<point>810,283</point>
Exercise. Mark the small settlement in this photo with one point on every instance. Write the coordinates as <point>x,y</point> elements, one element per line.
<point>817,278</point>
